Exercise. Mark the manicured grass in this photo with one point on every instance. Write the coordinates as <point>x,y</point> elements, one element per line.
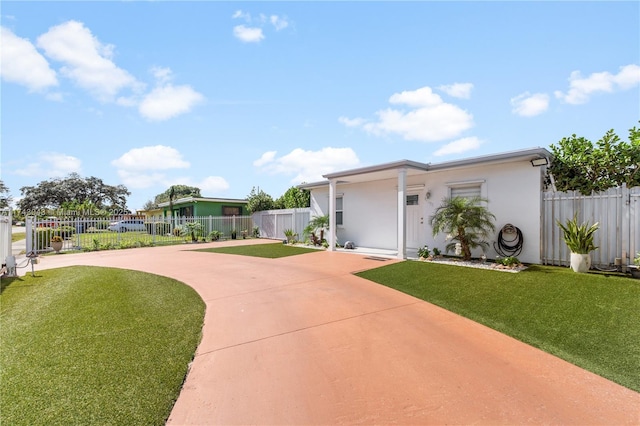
<point>17,236</point>
<point>271,251</point>
<point>591,320</point>
<point>88,345</point>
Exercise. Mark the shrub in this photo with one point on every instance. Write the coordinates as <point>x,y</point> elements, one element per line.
<point>215,235</point>
<point>424,252</point>
<point>508,261</point>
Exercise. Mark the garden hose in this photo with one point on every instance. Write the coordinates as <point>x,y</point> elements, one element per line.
<point>509,247</point>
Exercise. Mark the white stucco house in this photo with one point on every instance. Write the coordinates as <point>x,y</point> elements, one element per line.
<point>388,206</point>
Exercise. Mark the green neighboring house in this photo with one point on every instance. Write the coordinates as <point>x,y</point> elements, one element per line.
<point>204,206</point>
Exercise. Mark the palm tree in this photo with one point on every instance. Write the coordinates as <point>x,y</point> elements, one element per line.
<point>318,222</point>
<point>466,221</point>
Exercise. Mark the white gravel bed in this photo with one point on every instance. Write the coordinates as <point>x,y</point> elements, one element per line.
<point>476,264</point>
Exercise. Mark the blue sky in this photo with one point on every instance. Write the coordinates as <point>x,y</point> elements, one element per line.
<point>227,96</point>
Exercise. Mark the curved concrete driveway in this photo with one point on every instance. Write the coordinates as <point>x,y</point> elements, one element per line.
<point>300,340</point>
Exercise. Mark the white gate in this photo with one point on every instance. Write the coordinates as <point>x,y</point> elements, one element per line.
<point>273,223</point>
<point>618,212</point>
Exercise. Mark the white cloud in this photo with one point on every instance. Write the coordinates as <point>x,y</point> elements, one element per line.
<point>239,14</point>
<point>248,34</point>
<point>23,64</point>
<point>162,75</point>
<point>430,120</point>
<point>581,88</point>
<point>528,105</point>
<point>52,164</point>
<point>213,185</point>
<point>457,90</point>
<point>422,97</point>
<point>158,157</point>
<point>352,122</point>
<point>267,157</point>
<point>87,61</point>
<point>279,23</point>
<point>140,180</point>
<point>459,146</point>
<point>169,101</point>
<point>309,166</point>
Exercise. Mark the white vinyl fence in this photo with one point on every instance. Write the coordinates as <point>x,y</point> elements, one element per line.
<point>273,223</point>
<point>5,234</point>
<point>88,234</point>
<point>617,210</point>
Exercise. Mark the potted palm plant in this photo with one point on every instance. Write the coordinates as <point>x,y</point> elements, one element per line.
<point>579,239</point>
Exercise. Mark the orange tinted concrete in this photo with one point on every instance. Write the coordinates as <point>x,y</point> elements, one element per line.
<point>300,340</point>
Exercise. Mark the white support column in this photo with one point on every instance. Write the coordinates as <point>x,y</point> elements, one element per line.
<point>402,214</point>
<point>332,215</point>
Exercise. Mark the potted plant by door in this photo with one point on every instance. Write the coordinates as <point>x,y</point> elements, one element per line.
<point>579,239</point>
<point>56,243</point>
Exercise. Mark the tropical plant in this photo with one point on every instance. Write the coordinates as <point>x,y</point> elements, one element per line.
<point>636,260</point>
<point>436,251</point>
<point>256,232</point>
<point>192,228</point>
<point>508,261</point>
<point>317,223</point>
<point>291,235</point>
<point>579,238</point>
<point>465,221</point>
<point>423,252</point>
<point>215,235</point>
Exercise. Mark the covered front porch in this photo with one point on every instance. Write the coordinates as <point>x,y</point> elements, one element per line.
<point>399,171</point>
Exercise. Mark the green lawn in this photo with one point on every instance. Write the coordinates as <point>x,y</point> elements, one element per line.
<point>17,236</point>
<point>591,320</point>
<point>271,251</point>
<point>88,345</point>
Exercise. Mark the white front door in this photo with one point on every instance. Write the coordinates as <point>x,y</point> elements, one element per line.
<point>414,221</point>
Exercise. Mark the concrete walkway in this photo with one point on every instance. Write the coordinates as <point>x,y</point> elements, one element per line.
<point>300,340</point>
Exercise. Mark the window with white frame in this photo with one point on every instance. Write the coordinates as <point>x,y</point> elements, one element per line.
<point>465,189</point>
<point>339,210</point>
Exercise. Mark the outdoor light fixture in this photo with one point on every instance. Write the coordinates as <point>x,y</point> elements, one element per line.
<point>537,162</point>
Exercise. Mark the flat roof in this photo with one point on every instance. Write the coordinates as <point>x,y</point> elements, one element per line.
<point>205,199</point>
<point>384,170</point>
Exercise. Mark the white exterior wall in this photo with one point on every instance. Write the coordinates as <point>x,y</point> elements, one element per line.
<point>514,191</point>
<point>370,208</point>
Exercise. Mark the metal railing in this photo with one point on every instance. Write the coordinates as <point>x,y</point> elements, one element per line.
<point>89,234</point>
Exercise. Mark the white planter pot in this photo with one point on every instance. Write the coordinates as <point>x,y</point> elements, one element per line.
<point>580,262</point>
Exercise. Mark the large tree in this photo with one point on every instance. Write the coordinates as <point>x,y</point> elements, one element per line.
<point>258,200</point>
<point>581,165</point>
<point>293,198</point>
<point>54,193</point>
<point>5,196</point>
<point>175,192</point>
